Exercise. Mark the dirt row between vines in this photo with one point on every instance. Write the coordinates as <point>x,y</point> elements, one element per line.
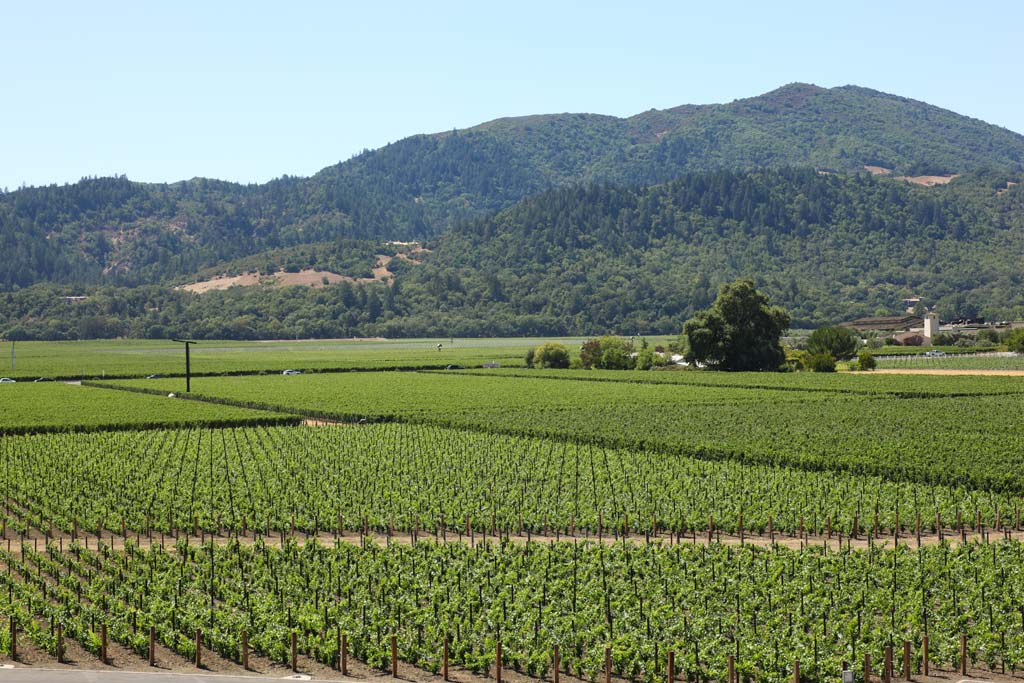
<point>38,539</point>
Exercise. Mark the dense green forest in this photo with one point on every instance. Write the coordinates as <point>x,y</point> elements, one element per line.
<point>602,258</point>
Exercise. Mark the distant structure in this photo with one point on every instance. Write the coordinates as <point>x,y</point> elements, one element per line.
<point>931,327</point>
<point>891,323</point>
<point>910,303</point>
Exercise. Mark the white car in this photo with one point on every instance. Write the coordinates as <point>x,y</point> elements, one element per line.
<point>292,372</point>
<point>7,380</point>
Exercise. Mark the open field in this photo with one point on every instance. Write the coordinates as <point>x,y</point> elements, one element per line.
<point>707,514</point>
<point>138,358</point>
<point>54,406</point>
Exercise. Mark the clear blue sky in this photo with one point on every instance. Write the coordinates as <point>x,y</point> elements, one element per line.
<point>247,91</point>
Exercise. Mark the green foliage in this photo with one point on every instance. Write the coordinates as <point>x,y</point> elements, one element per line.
<point>822,362</point>
<point>607,353</point>
<point>1015,341</point>
<point>839,342</point>
<point>550,355</point>
<point>739,332</point>
<point>866,361</point>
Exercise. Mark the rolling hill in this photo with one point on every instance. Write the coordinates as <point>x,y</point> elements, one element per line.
<point>486,197</point>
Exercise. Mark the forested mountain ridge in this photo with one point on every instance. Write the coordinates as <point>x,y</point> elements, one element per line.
<point>115,231</point>
<point>591,259</point>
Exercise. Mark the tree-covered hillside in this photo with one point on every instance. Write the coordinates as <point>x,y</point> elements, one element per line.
<point>115,231</point>
<point>602,258</point>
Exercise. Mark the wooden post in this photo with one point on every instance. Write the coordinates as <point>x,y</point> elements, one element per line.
<point>103,643</point>
<point>245,650</point>
<point>711,528</point>
<point>670,668</point>
<point>963,654</point>
<point>60,642</point>
<point>555,661</point>
<point>732,669</point>
<point>444,658</point>
<point>924,656</point>
<point>867,667</point>
<point>796,671</point>
<point>14,639</point>
<point>152,646</point>
<point>295,652</point>
<point>199,648</point>
<point>887,665</point>
<point>394,655</point>
<point>497,662</point>
<point>607,665</point>
<point>344,654</point>
<point>906,660</point>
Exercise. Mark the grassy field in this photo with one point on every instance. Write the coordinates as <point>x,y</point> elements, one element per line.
<point>53,406</point>
<point>138,358</point>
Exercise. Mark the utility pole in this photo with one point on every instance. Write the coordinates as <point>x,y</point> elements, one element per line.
<point>188,363</point>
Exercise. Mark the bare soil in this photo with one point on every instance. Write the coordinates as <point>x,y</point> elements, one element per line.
<point>306,278</point>
<point>928,180</point>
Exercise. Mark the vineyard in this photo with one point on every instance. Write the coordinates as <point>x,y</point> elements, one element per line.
<point>465,524</point>
<point>51,406</point>
<point>898,437</point>
<point>392,477</point>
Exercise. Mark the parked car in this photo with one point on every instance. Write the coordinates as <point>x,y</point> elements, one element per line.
<point>154,376</point>
<point>7,380</point>
<point>934,353</point>
<point>292,372</point>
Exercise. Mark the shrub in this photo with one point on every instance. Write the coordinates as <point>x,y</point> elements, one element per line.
<point>865,361</point>
<point>822,362</point>
<point>607,353</point>
<point>551,355</point>
<point>838,342</point>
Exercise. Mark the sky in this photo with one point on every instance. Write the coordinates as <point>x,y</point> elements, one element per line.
<point>249,91</point>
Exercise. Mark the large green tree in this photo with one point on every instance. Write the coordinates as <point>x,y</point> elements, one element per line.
<point>740,331</point>
<point>839,342</point>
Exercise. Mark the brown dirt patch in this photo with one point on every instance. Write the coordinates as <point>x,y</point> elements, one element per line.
<point>878,170</point>
<point>307,278</point>
<point>929,180</point>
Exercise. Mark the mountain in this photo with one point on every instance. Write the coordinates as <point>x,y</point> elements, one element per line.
<point>545,224</point>
<point>116,231</point>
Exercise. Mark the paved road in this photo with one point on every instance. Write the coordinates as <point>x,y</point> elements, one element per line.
<point>40,675</point>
